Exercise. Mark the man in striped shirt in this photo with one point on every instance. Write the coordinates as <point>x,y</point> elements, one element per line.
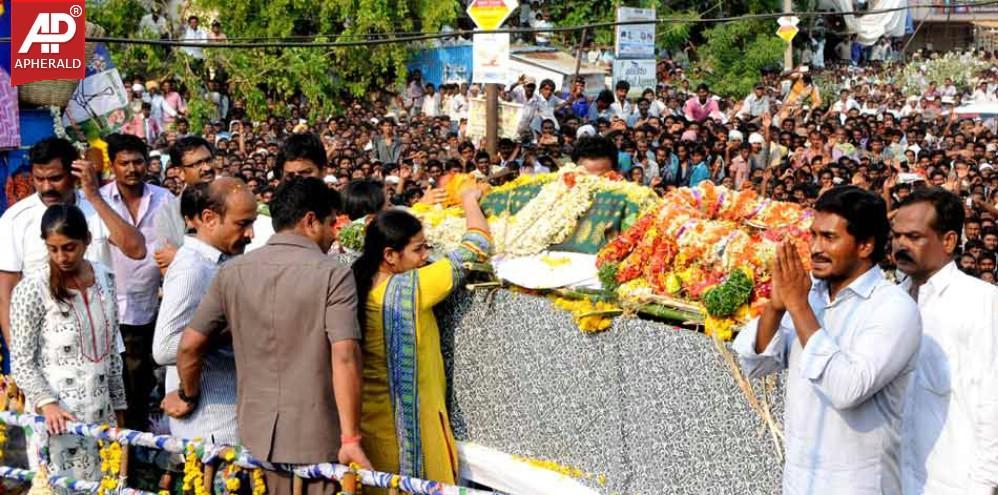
<point>223,213</point>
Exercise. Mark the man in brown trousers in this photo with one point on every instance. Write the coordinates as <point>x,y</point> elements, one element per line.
<point>291,313</point>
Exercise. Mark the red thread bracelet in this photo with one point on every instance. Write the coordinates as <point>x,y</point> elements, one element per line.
<point>347,439</point>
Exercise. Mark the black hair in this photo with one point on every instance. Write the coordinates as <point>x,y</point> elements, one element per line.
<point>547,82</point>
<point>363,197</point>
<point>305,146</point>
<point>950,216</point>
<point>865,214</point>
<point>298,196</point>
<point>391,229</point>
<point>69,221</point>
<point>53,148</point>
<point>595,148</point>
<point>185,145</point>
<point>116,143</point>
<point>624,85</point>
<point>606,96</point>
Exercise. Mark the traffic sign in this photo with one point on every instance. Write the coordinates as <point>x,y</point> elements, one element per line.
<point>490,14</point>
<point>788,27</point>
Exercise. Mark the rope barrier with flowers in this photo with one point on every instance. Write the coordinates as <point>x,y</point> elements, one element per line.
<point>208,453</point>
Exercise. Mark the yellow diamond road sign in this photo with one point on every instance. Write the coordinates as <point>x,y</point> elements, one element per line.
<point>490,14</point>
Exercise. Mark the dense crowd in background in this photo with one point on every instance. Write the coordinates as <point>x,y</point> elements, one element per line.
<point>784,139</point>
<point>167,238</point>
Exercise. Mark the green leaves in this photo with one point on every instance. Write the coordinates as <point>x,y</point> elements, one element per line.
<point>319,75</point>
<point>724,299</point>
<point>736,52</point>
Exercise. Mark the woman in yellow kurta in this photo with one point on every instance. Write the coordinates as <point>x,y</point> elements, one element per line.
<point>404,423</point>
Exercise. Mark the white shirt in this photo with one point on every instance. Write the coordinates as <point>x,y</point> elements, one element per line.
<point>186,282</point>
<point>263,228</point>
<point>950,428</point>
<point>21,246</point>
<point>844,106</point>
<point>431,105</point>
<point>622,108</point>
<point>137,281</point>
<point>194,35</point>
<point>457,108</point>
<point>845,389</point>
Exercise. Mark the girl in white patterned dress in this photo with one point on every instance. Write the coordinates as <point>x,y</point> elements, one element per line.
<point>66,347</point>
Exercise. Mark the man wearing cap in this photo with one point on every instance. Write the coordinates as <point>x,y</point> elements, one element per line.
<point>755,104</point>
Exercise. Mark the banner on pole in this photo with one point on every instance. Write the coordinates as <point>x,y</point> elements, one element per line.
<point>510,115</point>
<point>635,40</point>
<point>490,58</point>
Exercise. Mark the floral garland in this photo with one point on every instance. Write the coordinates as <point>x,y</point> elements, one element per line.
<point>193,473</point>
<point>534,227</point>
<point>694,241</point>
<point>110,467</point>
<point>259,485</point>
<point>57,127</point>
<point>589,316</point>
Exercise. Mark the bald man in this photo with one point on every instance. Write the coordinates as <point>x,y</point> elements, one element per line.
<point>222,213</point>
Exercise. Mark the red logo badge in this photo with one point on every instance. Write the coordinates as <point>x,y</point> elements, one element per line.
<point>47,40</point>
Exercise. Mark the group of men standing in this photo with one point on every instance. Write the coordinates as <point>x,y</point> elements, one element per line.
<point>891,388</point>
<point>285,313</point>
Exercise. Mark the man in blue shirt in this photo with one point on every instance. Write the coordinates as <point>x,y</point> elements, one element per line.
<point>849,339</point>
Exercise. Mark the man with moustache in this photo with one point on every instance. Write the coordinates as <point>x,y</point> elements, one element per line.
<point>849,341</point>
<point>56,171</point>
<point>223,213</point>
<point>950,428</point>
<point>194,157</point>
<point>137,281</point>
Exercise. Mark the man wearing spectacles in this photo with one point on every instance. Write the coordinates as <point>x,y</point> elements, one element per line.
<point>194,158</point>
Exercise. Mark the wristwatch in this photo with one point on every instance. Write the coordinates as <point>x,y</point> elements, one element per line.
<point>192,401</point>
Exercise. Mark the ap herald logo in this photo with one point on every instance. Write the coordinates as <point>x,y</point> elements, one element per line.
<point>47,40</point>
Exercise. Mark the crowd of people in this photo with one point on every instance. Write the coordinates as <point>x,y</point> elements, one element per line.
<point>102,284</point>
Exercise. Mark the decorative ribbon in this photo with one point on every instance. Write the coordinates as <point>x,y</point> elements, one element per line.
<point>209,453</point>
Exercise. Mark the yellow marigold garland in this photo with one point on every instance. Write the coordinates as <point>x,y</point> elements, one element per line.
<point>230,476</point>
<point>259,486</point>
<point>3,439</point>
<point>582,310</point>
<point>193,473</point>
<point>110,466</point>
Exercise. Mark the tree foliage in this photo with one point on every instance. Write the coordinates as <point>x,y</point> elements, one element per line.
<point>734,54</point>
<point>264,75</point>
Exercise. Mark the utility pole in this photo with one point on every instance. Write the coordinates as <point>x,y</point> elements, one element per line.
<point>788,55</point>
<point>491,117</point>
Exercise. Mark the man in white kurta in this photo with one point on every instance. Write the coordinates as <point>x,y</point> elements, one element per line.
<point>950,426</point>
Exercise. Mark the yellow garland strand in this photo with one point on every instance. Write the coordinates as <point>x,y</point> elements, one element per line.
<point>259,486</point>
<point>3,439</point>
<point>231,477</point>
<point>193,473</point>
<point>572,472</point>
<point>582,313</point>
<point>110,466</point>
